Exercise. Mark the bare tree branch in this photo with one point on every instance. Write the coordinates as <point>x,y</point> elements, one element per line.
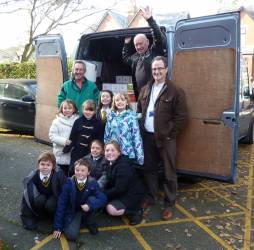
<point>47,15</point>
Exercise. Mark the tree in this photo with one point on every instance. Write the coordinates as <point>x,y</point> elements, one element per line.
<point>45,16</point>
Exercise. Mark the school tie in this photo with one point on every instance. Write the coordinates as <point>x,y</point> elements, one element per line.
<point>103,116</point>
<point>45,179</point>
<point>81,185</point>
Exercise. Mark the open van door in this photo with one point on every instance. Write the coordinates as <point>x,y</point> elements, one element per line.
<point>52,71</point>
<point>206,65</point>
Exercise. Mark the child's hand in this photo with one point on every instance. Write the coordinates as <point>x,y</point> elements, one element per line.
<point>85,207</point>
<point>127,39</point>
<point>67,142</point>
<point>56,234</point>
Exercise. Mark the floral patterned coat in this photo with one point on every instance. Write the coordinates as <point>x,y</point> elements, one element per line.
<point>124,129</point>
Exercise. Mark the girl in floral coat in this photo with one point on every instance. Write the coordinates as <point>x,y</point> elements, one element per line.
<point>122,126</point>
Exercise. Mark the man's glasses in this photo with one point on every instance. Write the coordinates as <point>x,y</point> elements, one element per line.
<point>159,69</point>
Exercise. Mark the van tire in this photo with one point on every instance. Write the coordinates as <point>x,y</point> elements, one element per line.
<point>248,139</point>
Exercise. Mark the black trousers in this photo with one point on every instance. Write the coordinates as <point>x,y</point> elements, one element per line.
<point>167,156</point>
<point>45,205</point>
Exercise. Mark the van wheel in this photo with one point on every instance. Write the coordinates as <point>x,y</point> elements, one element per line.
<point>248,139</point>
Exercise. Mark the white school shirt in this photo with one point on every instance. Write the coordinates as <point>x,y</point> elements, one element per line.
<point>156,89</point>
<point>82,181</point>
<point>43,176</point>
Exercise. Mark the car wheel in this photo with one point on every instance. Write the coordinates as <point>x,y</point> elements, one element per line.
<point>248,139</point>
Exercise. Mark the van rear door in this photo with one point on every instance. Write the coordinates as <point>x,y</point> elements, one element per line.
<point>206,65</point>
<point>52,71</point>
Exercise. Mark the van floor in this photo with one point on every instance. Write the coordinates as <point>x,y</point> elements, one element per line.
<point>208,214</point>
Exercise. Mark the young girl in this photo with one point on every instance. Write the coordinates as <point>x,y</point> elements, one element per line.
<point>41,189</point>
<point>105,103</point>
<point>85,129</point>
<point>96,160</point>
<point>59,133</point>
<point>123,188</point>
<point>80,199</point>
<point>122,126</point>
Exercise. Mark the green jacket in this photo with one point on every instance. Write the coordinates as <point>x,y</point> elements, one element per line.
<point>71,91</point>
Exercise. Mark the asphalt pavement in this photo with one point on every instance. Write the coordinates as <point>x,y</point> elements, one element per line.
<point>208,214</point>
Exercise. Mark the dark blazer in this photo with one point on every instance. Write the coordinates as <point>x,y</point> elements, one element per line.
<point>97,166</point>
<point>170,112</point>
<point>31,192</point>
<point>66,205</point>
<point>123,183</point>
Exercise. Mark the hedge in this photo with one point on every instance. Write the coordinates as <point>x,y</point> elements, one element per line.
<point>26,70</point>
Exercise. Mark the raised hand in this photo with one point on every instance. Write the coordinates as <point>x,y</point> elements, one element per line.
<point>146,12</point>
<point>127,39</point>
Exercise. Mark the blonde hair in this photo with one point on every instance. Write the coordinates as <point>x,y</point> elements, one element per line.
<point>122,96</point>
<point>90,104</point>
<point>115,144</point>
<point>83,162</point>
<point>47,156</point>
<point>68,102</point>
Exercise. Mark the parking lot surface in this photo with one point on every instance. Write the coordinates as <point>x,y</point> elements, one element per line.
<point>208,214</point>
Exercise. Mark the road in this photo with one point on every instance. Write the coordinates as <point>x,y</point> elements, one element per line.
<point>208,214</point>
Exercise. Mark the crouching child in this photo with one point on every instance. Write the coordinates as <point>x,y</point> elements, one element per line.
<point>41,190</point>
<point>80,198</point>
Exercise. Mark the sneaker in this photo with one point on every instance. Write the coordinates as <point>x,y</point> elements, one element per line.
<point>93,230</point>
<point>135,217</point>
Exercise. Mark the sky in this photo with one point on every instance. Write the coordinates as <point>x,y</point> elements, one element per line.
<point>13,26</point>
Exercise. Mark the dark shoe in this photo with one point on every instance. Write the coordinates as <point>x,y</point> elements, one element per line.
<point>167,213</point>
<point>135,217</point>
<point>147,203</point>
<point>93,230</point>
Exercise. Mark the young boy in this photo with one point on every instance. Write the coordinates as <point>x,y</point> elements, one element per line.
<point>78,202</point>
<point>41,190</point>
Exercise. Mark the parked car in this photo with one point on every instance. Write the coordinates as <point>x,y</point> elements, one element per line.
<point>246,106</point>
<point>17,104</point>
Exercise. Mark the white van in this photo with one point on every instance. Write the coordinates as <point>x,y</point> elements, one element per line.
<point>204,55</point>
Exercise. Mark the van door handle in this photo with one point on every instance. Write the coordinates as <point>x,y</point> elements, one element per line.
<point>212,121</point>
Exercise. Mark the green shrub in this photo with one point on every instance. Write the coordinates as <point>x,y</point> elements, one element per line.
<point>18,70</point>
<point>25,70</point>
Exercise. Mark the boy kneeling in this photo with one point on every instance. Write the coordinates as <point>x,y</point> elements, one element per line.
<point>80,198</point>
<point>41,190</point>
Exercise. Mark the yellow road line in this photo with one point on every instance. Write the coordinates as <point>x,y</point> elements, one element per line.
<point>64,243</point>
<point>120,227</point>
<point>204,227</point>
<point>42,243</point>
<point>17,135</point>
<point>138,236</point>
<point>247,234</point>
<point>225,198</point>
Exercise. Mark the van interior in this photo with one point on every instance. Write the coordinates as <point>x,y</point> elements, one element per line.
<point>106,53</point>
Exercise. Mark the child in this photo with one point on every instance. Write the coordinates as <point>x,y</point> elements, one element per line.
<point>85,129</point>
<point>122,126</point>
<point>80,198</point>
<point>96,160</point>
<point>59,133</point>
<point>41,190</point>
<point>104,107</point>
<point>123,188</point>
